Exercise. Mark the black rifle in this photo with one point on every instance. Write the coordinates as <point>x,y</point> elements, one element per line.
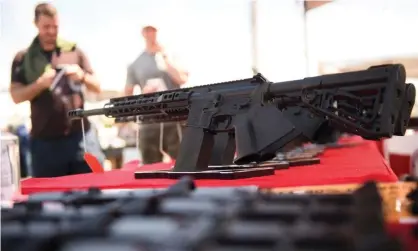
<point>260,117</point>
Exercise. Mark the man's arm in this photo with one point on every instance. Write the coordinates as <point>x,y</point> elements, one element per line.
<point>89,78</point>
<point>178,75</point>
<point>18,90</point>
<point>21,93</point>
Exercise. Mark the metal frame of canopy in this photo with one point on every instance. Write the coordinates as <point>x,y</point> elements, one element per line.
<point>308,6</point>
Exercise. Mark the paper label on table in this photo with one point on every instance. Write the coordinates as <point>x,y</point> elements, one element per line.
<point>7,186</point>
<point>395,204</point>
<point>157,83</point>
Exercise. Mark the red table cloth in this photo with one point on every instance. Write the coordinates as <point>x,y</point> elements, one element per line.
<point>338,166</point>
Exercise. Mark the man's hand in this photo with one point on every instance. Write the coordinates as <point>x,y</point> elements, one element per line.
<point>46,79</point>
<point>149,89</point>
<point>178,75</point>
<point>74,72</point>
<point>160,49</point>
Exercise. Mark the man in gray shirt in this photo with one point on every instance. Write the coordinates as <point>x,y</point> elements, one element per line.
<point>154,71</point>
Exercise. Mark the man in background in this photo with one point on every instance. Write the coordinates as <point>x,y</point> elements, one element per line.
<point>56,142</point>
<point>154,70</point>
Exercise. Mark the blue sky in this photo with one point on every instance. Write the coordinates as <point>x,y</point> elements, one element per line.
<point>212,37</point>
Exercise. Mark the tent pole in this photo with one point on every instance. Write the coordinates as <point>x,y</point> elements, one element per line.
<point>254,36</point>
<point>306,38</point>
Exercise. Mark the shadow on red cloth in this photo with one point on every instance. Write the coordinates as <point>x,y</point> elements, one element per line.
<point>338,166</point>
<point>380,146</point>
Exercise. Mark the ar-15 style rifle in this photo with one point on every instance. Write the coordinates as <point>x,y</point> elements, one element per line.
<point>260,117</point>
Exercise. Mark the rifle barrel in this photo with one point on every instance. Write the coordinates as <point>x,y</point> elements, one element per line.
<point>81,113</point>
